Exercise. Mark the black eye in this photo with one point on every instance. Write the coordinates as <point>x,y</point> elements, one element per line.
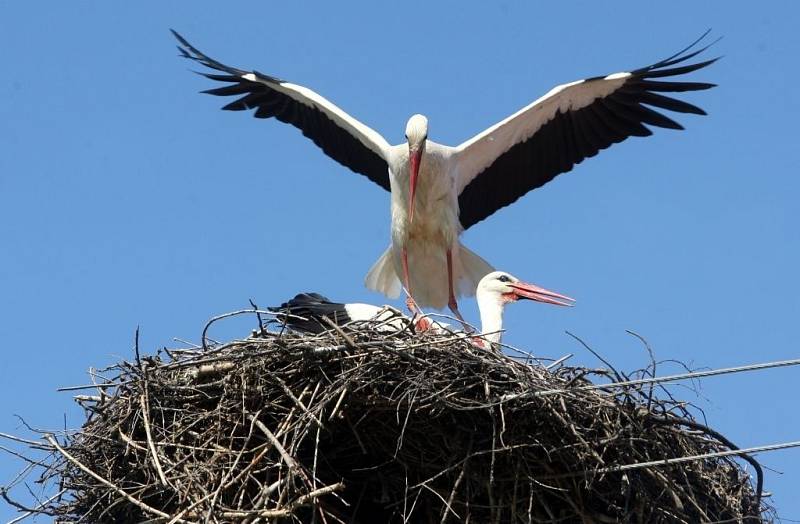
<point>406,136</point>
<point>503,278</point>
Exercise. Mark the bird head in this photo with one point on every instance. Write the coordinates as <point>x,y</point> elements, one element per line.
<point>503,288</point>
<point>416,135</point>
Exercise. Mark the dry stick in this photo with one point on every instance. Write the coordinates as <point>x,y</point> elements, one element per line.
<point>87,386</point>
<point>129,441</point>
<point>559,361</point>
<point>229,473</point>
<point>339,330</point>
<point>439,495</point>
<point>275,442</point>
<point>136,349</point>
<point>596,354</point>
<point>338,403</point>
<point>294,399</point>
<point>179,516</point>
<point>258,315</point>
<point>216,368</point>
<point>239,476</point>
<point>31,443</point>
<point>32,511</point>
<point>657,380</point>
<point>448,505</point>
<point>235,313</point>
<point>150,443</point>
<point>673,421</point>
<point>119,491</point>
<point>468,331</point>
<point>287,511</point>
<point>653,362</point>
<point>20,456</point>
<point>182,341</point>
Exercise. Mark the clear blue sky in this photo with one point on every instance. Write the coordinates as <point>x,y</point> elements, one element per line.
<point>128,198</point>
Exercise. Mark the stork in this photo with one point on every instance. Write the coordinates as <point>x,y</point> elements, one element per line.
<point>438,191</point>
<point>306,311</point>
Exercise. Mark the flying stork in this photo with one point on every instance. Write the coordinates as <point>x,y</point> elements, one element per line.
<point>305,312</point>
<point>438,191</point>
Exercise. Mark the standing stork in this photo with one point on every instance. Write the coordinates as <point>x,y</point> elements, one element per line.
<point>307,312</point>
<point>438,191</point>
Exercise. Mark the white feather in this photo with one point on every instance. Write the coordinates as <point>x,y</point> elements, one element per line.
<point>383,278</point>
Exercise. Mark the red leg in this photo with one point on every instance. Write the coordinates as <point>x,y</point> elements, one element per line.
<point>412,306</point>
<point>452,296</point>
<point>421,323</point>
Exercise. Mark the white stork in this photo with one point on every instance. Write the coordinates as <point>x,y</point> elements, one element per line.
<point>438,191</point>
<point>305,312</point>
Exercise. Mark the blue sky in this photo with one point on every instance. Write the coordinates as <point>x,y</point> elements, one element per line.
<point>127,198</point>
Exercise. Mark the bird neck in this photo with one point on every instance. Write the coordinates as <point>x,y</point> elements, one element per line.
<point>491,308</point>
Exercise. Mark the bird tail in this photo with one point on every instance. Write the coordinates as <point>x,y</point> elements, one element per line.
<point>382,277</point>
<point>473,269</point>
<point>428,274</point>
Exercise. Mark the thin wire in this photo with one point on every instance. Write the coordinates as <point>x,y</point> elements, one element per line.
<point>677,460</point>
<point>659,380</point>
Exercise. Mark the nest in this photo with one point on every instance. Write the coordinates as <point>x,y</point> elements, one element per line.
<point>369,427</point>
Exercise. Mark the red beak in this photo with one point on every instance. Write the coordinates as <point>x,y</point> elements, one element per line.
<point>414,157</point>
<point>525,291</point>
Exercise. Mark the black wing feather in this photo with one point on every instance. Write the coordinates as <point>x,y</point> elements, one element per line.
<point>336,142</point>
<point>665,102</point>
<point>571,137</point>
<point>305,313</point>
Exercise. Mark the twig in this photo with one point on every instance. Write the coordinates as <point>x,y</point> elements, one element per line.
<point>340,331</point>
<point>136,349</point>
<point>653,363</point>
<point>559,361</point>
<point>148,434</point>
<point>120,492</point>
<point>87,386</point>
<point>289,509</point>
<point>676,421</point>
<point>596,354</point>
<point>204,339</point>
<point>258,316</point>
<point>290,462</point>
<point>28,511</point>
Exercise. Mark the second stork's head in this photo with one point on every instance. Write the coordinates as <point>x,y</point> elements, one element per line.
<point>497,289</point>
<point>500,288</point>
<point>416,135</point>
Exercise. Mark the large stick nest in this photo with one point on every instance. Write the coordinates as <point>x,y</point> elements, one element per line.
<point>372,428</point>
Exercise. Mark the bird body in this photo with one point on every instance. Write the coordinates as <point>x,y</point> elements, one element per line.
<point>434,231</point>
<point>438,191</point>
<point>305,312</point>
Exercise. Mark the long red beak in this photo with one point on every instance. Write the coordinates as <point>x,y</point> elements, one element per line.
<point>415,158</point>
<point>526,291</point>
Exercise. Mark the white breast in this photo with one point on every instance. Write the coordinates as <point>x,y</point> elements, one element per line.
<point>436,207</point>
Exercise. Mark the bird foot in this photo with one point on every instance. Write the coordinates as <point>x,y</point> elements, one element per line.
<point>479,342</point>
<point>422,324</point>
<point>420,321</point>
